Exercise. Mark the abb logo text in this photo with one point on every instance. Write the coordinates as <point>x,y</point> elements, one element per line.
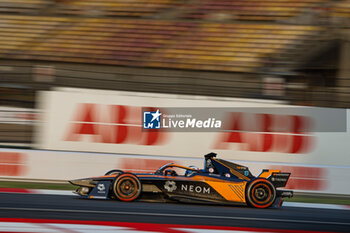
<point>305,178</point>
<point>117,124</point>
<point>12,164</point>
<point>267,133</point>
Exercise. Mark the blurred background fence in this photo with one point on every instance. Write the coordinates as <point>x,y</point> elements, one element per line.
<point>19,83</point>
<point>17,126</point>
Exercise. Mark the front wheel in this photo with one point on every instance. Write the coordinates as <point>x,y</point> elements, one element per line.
<point>260,193</point>
<point>127,187</point>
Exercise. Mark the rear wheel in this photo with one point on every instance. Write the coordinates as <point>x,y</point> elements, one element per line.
<point>260,193</point>
<point>127,187</point>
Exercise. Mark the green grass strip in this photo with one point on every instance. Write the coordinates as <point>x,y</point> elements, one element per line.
<point>322,200</point>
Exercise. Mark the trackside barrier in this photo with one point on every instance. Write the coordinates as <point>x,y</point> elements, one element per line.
<point>110,122</point>
<point>59,165</point>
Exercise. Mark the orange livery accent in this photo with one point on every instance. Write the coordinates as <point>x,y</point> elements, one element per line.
<point>230,191</point>
<point>266,174</point>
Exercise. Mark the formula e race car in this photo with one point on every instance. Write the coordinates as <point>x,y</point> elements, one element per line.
<point>219,182</point>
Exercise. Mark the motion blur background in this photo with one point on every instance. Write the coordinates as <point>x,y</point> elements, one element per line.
<point>239,51</point>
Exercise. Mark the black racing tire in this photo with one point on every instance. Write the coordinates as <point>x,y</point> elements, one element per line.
<point>260,193</point>
<point>127,187</point>
<point>114,172</point>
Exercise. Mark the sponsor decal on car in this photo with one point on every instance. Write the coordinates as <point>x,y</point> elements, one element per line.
<point>101,188</point>
<point>170,186</point>
<point>195,189</point>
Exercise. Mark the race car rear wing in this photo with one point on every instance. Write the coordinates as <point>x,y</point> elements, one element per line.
<point>279,179</point>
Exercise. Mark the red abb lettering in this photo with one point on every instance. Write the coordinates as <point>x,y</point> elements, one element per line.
<point>12,164</point>
<point>266,133</point>
<point>117,124</point>
<point>305,178</point>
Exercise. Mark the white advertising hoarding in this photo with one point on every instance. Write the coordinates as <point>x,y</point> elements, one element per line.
<point>110,122</point>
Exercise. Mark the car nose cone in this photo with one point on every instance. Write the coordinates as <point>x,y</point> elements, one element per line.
<point>82,182</point>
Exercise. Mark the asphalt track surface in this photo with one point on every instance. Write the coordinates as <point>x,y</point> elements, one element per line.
<point>75,208</point>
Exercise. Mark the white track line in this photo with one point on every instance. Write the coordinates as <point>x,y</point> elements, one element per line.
<point>53,192</point>
<point>176,215</point>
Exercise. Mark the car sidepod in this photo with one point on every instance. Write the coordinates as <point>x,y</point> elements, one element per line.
<point>200,188</point>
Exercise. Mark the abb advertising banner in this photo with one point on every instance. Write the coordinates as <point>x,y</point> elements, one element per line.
<point>63,166</point>
<point>117,122</point>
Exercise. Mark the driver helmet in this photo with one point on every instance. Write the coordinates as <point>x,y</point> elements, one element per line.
<point>190,172</point>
